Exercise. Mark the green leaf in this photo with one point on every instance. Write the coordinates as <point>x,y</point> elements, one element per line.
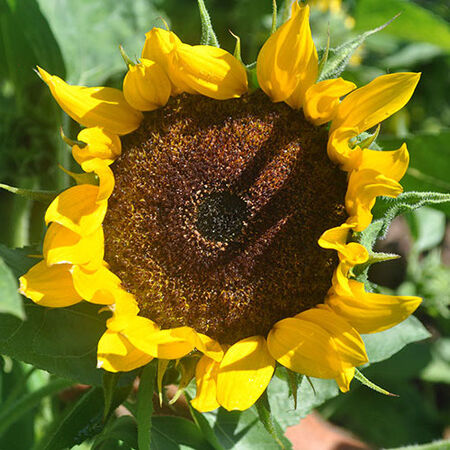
<point>123,429</point>
<point>283,405</point>
<point>415,23</point>
<point>62,341</point>
<point>436,371</point>
<point>430,163</point>
<point>208,35</point>
<point>144,409</point>
<point>90,33</point>
<point>381,346</point>
<point>110,381</point>
<point>427,226</point>
<point>339,57</point>
<point>175,433</point>
<point>10,300</point>
<point>23,405</point>
<point>436,445</point>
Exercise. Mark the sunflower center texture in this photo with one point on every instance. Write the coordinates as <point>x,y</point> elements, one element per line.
<point>216,213</point>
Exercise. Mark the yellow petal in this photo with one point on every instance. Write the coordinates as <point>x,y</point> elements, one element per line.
<point>146,86</point>
<point>375,102</point>
<point>336,238</point>
<point>339,150</point>
<point>77,209</point>
<point>208,70</point>
<point>364,186</point>
<point>287,64</point>
<point>49,286</point>
<point>206,379</point>
<point>98,286</point>
<point>106,181</point>
<point>116,354</point>
<point>209,347</point>
<point>94,106</point>
<point>344,378</point>
<point>62,246</point>
<point>391,164</point>
<point>245,372</point>
<point>371,313</point>
<point>158,47</point>
<point>101,144</point>
<point>346,339</point>
<point>308,348</point>
<point>340,280</point>
<point>164,344</point>
<point>322,99</point>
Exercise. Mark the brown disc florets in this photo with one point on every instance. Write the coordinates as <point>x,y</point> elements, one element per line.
<point>216,213</point>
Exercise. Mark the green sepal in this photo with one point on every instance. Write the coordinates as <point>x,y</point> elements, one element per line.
<point>361,378</point>
<point>237,47</point>
<point>325,53</point>
<point>38,195</point>
<point>339,57</point>
<point>367,140</point>
<point>294,380</point>
<point>266,418</point>
<point>81,178</point>
<point>274,17</point>
<point>208,36</point>
<point>127,60</point>
<point>252,78</point>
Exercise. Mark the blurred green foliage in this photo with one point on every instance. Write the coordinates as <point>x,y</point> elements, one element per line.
<point>78,40</point>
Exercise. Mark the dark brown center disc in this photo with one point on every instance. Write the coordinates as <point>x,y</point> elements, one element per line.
<point>216,213</point>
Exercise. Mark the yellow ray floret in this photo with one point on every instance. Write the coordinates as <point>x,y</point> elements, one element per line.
<point>94,106</point>
<point>49,286</point>
<point>206,378</point>
<point>146,86</point>
<point>371,313</point>
<point>287,64</point>
<point>245,372</point>
<point>364,108</point>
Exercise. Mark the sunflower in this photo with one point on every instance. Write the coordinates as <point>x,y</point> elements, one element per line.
<point>218,223</point>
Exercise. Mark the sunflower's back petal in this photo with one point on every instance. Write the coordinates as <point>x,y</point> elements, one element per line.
<point>94,106</point>
<point>244,373</point>
<point>322,99</point>
<point>63,246</point>
<point>208,70</point>
<point>375,102</point>
<point>97,286</point>
<point>77,209</point>
<point>206,379</point>
<point>209,347</point>
<point>146,86</point>
<point>173,343</point>
<point>49,286</point>
<point>344,378</point>
<point>116,354</point>
<point>371,313</point>
<point>287,64</point>
<point>392,164</point>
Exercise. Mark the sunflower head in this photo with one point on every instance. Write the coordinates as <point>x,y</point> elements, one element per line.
<point>221,221</point>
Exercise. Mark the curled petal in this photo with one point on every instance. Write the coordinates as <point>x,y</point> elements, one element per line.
<point>77,209</point>
<point>163,344</point>
<point>322,99</point>
<point>101,145</point>
<point>371,313</point>
<point>364,186</point>
<point>391,164</point>
<point>287,64</point>
<point>94,106</point>
<point>116,354</point>
<point>146,86</point>
<point>106,182</point>
<point>245,372</point>
<point>208,70</point>
<point>336,239</point>
<point>344,378</point>
<point>63,246</point>
<point>340,151</point>
<point>97,286</point>
<point>371,104</point>
<point>49,286</point>
<point>206,378</point>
